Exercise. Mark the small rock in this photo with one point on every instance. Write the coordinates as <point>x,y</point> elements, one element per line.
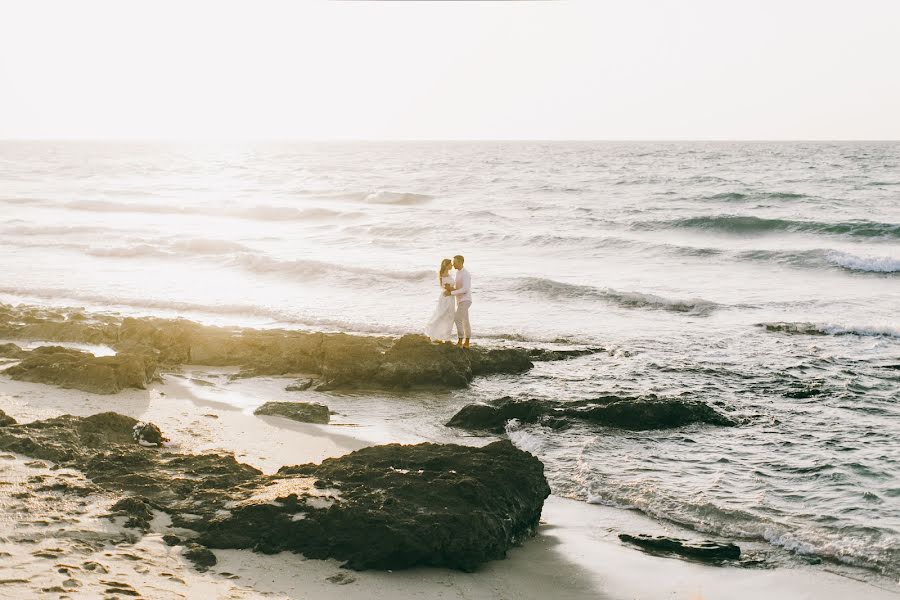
<point>148,434</point>
<point>709,551</point>
<point>171,540</point>
<point>305,412</point>
<point>341,579</point>
<point>300,386</point>
<point>202,557</point>
<point>138,510</point>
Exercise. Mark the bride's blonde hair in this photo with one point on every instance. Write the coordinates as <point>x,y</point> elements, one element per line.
<point>445,268</point>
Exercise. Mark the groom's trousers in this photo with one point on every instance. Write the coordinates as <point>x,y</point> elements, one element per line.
<point>463,329</point>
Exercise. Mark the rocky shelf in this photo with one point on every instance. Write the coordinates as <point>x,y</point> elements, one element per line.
<point>338,360</point>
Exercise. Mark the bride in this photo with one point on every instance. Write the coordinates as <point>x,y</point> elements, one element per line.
<point>440,326</point>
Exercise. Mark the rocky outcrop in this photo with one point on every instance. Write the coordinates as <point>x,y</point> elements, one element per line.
<point>706,550</point>
<point>383,507</point>
<point>201,556</point>
<point>5,419</point>
<point>10,351</point>
<point>395,506</point>
<point>305,412</point>
<point>70,368</point>
<point>635,413</point>
<point>340,361</point>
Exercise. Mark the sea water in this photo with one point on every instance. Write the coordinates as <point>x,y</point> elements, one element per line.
<point>759,276</point>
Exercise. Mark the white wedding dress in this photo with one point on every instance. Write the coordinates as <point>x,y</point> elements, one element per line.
<point>440,326</point>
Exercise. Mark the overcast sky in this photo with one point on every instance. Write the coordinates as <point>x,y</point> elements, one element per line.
<point>785,69</point>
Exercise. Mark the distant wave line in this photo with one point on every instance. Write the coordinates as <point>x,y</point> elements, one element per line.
<point>739,224</point>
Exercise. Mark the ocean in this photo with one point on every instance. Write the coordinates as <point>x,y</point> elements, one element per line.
<point>762,277</point>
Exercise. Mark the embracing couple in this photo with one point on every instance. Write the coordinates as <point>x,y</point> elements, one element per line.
<point>453,304</point>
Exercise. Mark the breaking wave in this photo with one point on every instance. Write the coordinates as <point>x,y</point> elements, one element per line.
<point>556,290</point>
<point>871,264</point>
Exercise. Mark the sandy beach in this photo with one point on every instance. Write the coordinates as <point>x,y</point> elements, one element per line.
<point>69,550</point>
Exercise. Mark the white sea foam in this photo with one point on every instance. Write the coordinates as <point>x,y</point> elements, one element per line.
<point>399,198</point>
<point>874,264</point>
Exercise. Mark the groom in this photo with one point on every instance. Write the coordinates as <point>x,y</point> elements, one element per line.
<point>463,293</point>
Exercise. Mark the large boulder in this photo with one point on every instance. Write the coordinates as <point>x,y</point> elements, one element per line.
<point>383,507</point>
<point>394,506</point>
<point>635,413</point>
<point>70,368</point>
<point>305,412</point>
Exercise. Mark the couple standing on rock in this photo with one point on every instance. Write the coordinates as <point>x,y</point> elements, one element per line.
<point>453,304</point>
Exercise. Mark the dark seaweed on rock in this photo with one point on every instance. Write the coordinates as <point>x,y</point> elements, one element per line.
<point>635,413</point>
<point>383,507</point>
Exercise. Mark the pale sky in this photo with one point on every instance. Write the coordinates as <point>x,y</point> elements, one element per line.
<point>302,69</point>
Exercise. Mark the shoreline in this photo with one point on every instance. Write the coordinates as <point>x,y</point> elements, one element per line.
<point>575,553</point>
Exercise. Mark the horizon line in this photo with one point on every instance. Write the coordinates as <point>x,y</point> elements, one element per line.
<point>442,140</point>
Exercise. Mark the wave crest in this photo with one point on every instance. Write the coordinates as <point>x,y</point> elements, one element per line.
<point>804,328</point>
<point>745,225</point>
<point>556,289</point>
<point>871,264</point>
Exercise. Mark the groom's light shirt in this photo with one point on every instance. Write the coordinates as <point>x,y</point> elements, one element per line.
<point>463,291</point>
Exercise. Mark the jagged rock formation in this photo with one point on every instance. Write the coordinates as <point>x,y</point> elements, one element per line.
<point>635,413</point>
<point>383,507</point>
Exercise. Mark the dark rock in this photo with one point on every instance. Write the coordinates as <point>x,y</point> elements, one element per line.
<point>138,509</point>
<point>396,506</point>
<point>493,418</point>
<point>171,540</point>
<point>384,507</point>
<point>300,386</point>
<point>707,551</point>
<point>70,368</point>
<point>202,557</point>
<point>5,419</point>
<point>305,412</point>
<point>635,413</point>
